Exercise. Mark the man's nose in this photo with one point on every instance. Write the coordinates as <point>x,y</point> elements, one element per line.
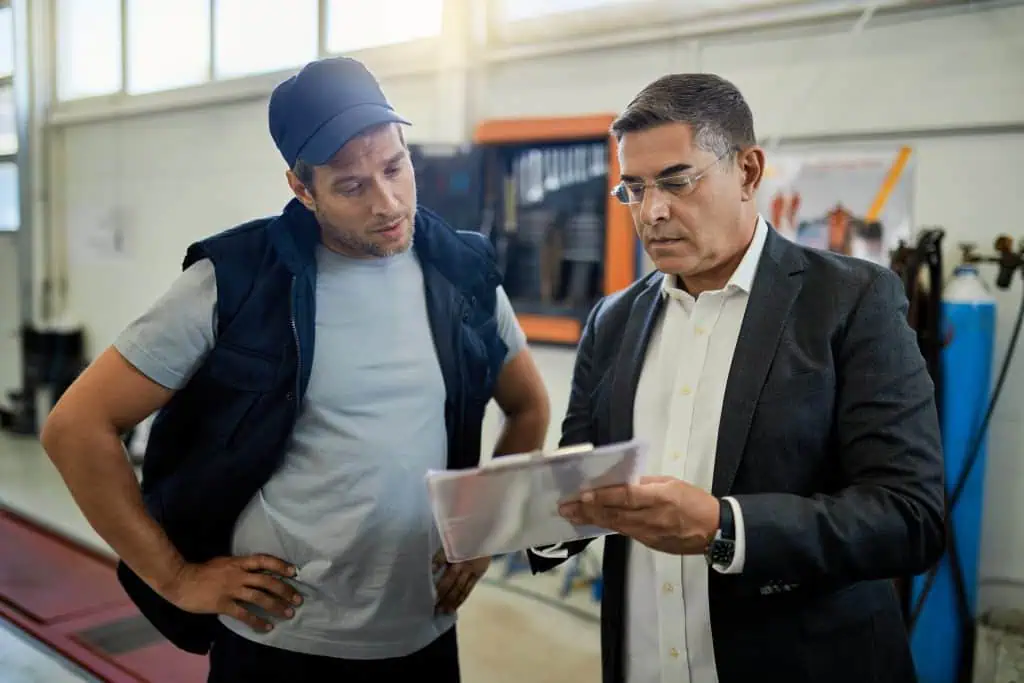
<point>653,207</point>
<point>385,200</point>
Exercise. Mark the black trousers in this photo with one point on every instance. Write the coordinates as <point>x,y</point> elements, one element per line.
<point>235,659</point>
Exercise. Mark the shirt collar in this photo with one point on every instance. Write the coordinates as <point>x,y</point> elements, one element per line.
<point>743,277</point>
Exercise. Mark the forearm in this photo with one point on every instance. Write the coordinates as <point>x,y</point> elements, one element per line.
<point>859,534</point>
<point>523,432</point>
<point>92,462</point>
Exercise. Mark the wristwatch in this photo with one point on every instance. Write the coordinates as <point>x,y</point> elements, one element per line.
<point>722,547</point>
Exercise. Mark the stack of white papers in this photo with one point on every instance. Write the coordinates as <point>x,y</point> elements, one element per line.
<point>511,503</point>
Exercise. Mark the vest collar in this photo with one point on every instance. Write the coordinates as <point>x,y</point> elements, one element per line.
<point>295,234</point>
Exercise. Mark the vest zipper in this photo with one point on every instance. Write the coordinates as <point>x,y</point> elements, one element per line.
<point>460,421</point>
<point>298,349</point>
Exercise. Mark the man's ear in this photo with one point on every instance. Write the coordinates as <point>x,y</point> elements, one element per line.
<point>751,162</point>
<point>301,192</point>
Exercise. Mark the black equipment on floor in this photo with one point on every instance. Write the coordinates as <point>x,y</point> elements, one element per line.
<point>51,360</point>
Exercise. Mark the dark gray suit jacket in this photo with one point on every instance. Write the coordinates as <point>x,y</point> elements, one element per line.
<point>829,441</point>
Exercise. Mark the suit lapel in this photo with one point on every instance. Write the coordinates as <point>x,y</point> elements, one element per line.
<point>632,350</point>
<point>772,294</point>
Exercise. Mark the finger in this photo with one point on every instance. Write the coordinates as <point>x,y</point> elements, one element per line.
<point>454,578</point>
<point>607,496</point>
<point>623,521</point>
<point>569,509</point>
<point>593,515</point>
<point>659,479</point>
<point>579,515</point>
<point>626,497</point>
<point>268,602</point>
<point>464,590</point>
<point>458,592</point>
<point>236,611</point>
<point>274,586</point>
<point>447,583</point>
<point>268,563</point>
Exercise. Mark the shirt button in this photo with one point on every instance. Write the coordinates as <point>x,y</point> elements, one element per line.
<point>667,588</point>
<point>674,653</point>
<point>685,391</point>
<point>698,330</point>
<point>676,455</point>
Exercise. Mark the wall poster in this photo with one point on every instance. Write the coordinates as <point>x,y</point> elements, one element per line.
<point>854,202</point>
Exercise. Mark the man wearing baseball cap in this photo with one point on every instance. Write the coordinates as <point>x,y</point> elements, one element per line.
<point>308,368</point>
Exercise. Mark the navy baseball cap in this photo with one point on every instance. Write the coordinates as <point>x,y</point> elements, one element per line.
<point>326,104</point>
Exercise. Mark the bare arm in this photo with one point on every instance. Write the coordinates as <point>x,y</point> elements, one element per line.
<point>155,356</point>
<point>522,397</point>
<point>519,391</point>
<point>81,437</point>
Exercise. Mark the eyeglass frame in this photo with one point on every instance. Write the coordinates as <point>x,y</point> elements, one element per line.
<point>691,181</point>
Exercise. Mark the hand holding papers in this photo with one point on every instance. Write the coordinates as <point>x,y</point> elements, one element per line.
<point>512,502</point>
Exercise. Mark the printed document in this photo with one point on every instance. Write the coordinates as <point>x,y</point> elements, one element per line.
<point>511,503</point>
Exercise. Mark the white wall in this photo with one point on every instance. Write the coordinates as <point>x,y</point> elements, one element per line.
<point>174,177</point>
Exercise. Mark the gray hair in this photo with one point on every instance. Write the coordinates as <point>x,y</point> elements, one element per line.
<point>712,106</point>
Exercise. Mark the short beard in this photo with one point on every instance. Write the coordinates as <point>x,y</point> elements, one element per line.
<point>353,245</point>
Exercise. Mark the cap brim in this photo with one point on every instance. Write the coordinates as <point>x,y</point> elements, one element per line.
<point>333,135</point>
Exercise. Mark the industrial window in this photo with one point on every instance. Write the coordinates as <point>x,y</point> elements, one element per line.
<point>6,42</point>
<point>360,24</point>
<point>518,10</point>
<point>258,36</point>
<point>9,206</point>
<point>168,44</point>
<point>88,48</point>
<point>8,125</point>
<point>574,15</point>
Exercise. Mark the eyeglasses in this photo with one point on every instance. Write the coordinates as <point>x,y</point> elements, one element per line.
<point>678,185</point>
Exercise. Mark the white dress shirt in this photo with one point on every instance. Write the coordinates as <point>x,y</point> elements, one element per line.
<point>677,410</point>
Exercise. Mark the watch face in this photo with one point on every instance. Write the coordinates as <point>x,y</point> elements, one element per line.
<point>720,552</point>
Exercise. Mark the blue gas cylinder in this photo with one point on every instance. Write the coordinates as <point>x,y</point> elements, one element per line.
<point>968,330</point>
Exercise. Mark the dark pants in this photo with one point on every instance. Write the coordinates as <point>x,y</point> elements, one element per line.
<point>235,659</point>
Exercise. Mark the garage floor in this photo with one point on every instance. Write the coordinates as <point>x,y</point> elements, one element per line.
<point>512,628</point>
<point>25,660</point>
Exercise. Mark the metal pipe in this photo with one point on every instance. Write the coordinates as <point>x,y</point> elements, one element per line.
<point>906,134</point>
<point>26,160</point>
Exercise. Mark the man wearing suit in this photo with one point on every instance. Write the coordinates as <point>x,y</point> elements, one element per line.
<point>795,464</point>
